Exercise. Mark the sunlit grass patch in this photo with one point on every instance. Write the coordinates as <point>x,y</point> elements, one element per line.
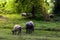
<point>13,16</point>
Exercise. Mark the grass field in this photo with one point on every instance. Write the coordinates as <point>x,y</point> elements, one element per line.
<point>7,23</point>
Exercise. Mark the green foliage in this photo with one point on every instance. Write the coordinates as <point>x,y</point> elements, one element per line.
<point>49,4</point>
<point>19,6</point>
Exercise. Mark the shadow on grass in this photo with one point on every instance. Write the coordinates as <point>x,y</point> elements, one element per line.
<point>36,18</point>
<point>2,38</point>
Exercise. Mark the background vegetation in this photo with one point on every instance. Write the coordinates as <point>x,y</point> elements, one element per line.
<point>25,5</point>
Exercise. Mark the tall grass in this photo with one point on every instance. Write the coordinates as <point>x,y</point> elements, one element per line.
<point>12,19</point>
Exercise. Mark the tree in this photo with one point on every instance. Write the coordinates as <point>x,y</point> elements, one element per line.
<point>57,7</point>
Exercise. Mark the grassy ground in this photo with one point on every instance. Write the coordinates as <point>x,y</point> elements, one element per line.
<point>7,23</point>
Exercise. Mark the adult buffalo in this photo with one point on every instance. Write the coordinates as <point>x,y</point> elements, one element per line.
<point>29,27</point>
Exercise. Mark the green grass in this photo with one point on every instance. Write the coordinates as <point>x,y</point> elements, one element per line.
<point>5,34</point>
<point>12,19</point>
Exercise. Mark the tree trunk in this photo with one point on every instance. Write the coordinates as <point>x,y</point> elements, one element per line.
<point>33,12</point>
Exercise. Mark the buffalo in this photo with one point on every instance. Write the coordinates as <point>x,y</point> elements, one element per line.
<point>16,29</point>
<point>29,27</point>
